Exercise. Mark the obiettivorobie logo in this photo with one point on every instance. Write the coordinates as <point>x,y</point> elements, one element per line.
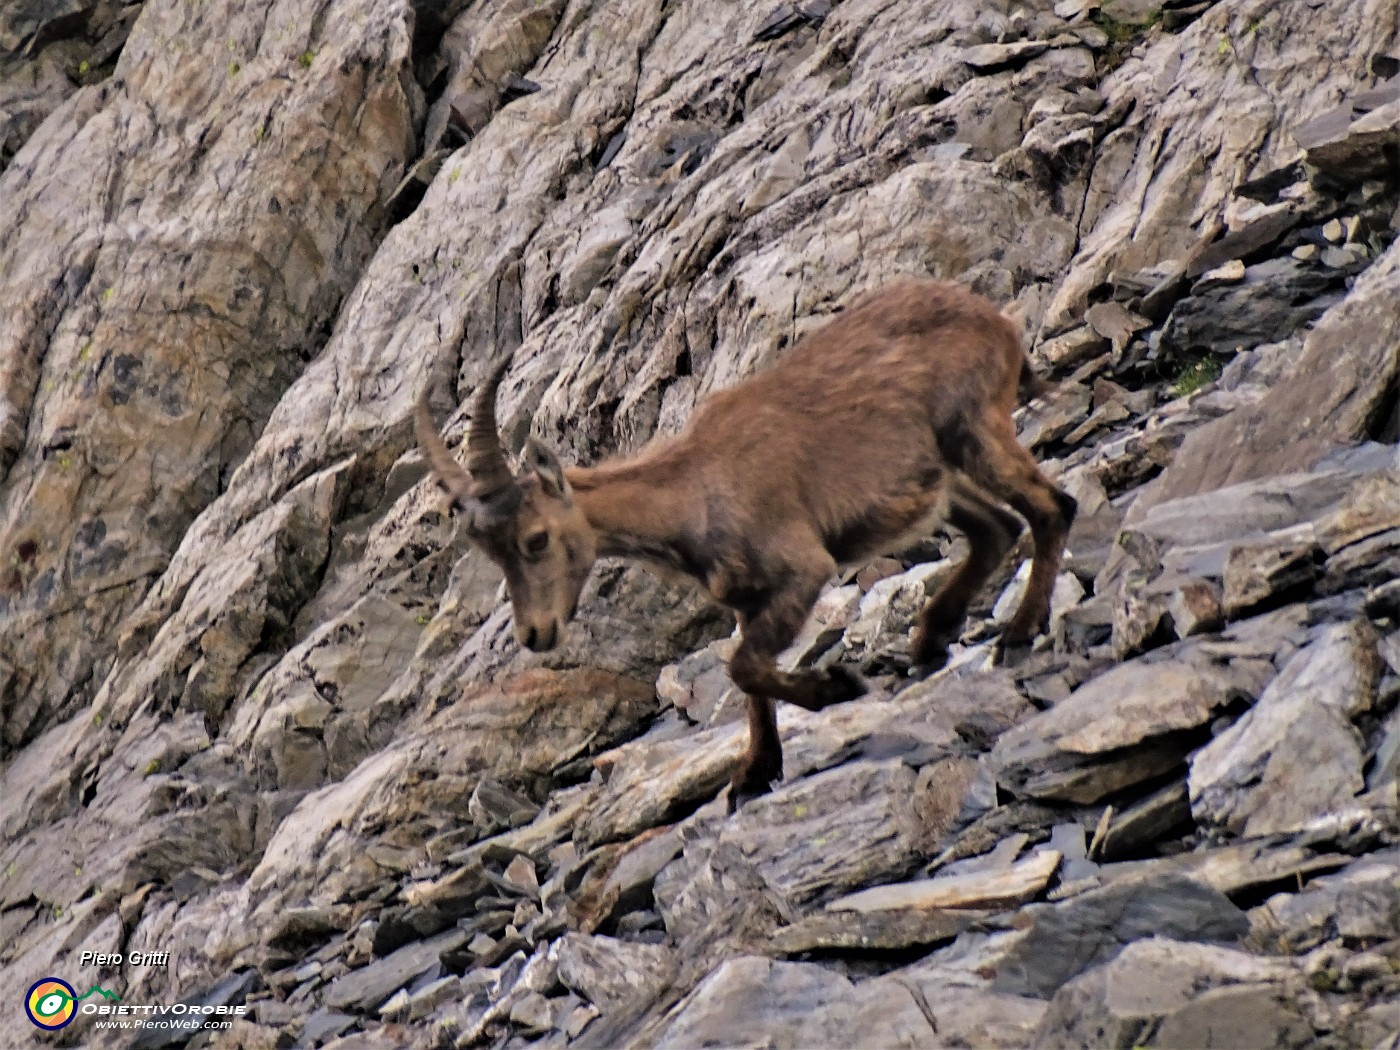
<point>52,1003</point>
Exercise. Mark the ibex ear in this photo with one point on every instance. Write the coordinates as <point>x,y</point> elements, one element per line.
<point>540,460</point>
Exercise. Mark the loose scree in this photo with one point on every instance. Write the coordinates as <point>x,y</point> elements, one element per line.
<point>894,417</point>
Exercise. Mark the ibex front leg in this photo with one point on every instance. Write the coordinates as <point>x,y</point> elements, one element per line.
<point>754,669</point>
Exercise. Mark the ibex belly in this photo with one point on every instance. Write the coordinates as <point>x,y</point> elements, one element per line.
<point>889,526</point>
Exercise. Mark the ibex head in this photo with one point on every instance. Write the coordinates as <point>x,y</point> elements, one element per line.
<point>527,522</point>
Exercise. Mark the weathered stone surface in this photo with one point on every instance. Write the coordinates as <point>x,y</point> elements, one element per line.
<point>1155,817</point>
<point>1162,992</point>
<point>1007,887</point>
<point>1359,904</point>
<point>835,830</point>
<point>148,405</point>
<point>245,238</point>
<point>1119,729</point>
<point>700,687</point>
<point>1295,756</point>
<point>1064,940</point>
<point>366,988</point>
<point>1353,150</point>
<point>1271,571</point>
<point>871,930</point>
<point>670,774</point>
<point>610,973</point>
<point>1337,389</point>
<point>881,627</point>
<point>753,1000</point>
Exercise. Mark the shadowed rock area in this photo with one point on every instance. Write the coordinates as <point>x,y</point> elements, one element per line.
<point>260,704</point>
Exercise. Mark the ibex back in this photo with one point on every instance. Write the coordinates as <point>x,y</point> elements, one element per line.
<point>890,419</point>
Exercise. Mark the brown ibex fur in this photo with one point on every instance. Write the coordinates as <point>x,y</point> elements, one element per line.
<point>890,419</point>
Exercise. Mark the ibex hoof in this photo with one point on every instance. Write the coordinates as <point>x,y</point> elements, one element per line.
<point>928,668</point>
<point>844,685</point>
<point>1011,653</point>
<point>741,795</point>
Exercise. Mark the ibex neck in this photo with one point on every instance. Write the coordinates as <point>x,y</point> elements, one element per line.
<point>642,509</point>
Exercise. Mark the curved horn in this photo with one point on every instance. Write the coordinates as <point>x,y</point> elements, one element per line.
<point>456,480</point>
<point>486,461</point>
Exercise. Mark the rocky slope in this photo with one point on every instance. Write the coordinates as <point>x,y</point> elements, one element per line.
<point>259,704</point>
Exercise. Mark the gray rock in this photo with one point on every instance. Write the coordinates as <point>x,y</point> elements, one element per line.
<point>1295,756</point>
<point>1271,572</point>
<point>367,988</point>
<point>1358,904</point>
<point>1162,992</point>
<point>621,879</point>
<point>1119,729</point>
<point>1006,887</point>
<point>610,973</point>
<point>1352,150</point>
<point>1272,300</point>
<point>229,600</point>
<point>869,931</point>
<point>749,1001</point>
<point>1166,810</point>
<point>1063,940</point>
<point>987,57</point>
<point>887,612</point>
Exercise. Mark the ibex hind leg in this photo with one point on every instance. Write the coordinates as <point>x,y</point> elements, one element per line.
<point>991,531</point>
<point>1007,471</point>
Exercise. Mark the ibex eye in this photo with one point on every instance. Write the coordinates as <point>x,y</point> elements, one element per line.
<point>537,544</point>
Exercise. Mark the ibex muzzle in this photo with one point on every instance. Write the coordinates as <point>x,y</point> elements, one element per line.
<point>528,523</point>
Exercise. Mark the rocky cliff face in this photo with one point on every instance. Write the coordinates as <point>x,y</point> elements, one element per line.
<point>259,704</point>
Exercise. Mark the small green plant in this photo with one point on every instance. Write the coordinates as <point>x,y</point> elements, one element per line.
<point>1196,375</point>
<point>307,57</point>
<point>1116,31</point>
<point>423,619</point>
<point>83,67</point>
<point>1324,980</point>
<point>152,767</point>
<point>233,68</point>
<point>259,133</point>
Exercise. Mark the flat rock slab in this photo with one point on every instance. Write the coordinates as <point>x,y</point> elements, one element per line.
<point>1352,151</point>
<point>1005,888</point>
<point>1065,939</point>
<point>1228,869</point>
<point>1295,756</point>
<point>1167,993</point>
<point>368,987</point>
<point>611,973</point>
<point>839,829</point>
<point>753,1001</point>
<point>1361,903</point>
<point>1116,730</point>
<point>1147,821</point>
<point>649,782</point>
<point>1250,509</point>
<point>871,931</point>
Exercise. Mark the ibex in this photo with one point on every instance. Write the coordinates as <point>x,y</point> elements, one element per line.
<point>890,419</point>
